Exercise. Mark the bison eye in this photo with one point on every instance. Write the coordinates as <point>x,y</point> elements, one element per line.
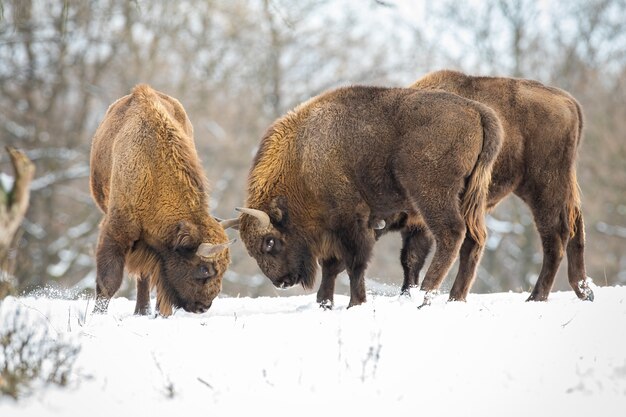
<point>268,244</point>
<point>204,272</point>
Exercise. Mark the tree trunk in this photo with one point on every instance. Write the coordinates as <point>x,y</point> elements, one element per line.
<point>13,205</point>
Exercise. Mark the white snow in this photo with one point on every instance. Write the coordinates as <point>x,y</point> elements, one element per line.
<point>495,355</point>
<point>6,181</point>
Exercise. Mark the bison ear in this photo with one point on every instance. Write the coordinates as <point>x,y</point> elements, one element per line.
<point>278,211</point>
<point>183,236</point>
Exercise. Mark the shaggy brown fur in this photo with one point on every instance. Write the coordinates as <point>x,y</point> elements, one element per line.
<point>354,154</point>
<point>147,179</point>
<point>542,132</point>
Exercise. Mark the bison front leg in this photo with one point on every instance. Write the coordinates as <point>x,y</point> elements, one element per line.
<point>357,243</point>
<point>330,269</point>
<point>109,270</point>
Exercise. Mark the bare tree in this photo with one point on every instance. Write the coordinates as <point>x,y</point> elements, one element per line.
<point>13,205</point>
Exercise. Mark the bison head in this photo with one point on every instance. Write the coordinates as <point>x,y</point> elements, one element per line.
<point>186,271</point>
<point>281,249</point>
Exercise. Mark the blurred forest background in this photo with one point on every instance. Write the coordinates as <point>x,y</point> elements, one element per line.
<point>237,65</point>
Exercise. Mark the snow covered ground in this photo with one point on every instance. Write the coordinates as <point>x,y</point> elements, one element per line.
<point>492,356</point>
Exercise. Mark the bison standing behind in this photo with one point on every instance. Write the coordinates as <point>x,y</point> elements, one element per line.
<point>147,179</point>
<point>542,132</point>
<point>328,169</point>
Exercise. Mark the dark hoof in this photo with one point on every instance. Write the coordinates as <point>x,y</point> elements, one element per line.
<point>428,298</point>
<point>406,291</point>
<point>146,311</point>
<point>456,295</point>
<point>586,294</point>
<point>102,304</point>
<point>355,303</point>
<point>326,305</point>
<point>535,297</point>
<point>455,299</point>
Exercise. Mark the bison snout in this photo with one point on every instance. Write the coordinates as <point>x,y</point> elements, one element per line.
<point>284,282</point>
<point>197,307</point>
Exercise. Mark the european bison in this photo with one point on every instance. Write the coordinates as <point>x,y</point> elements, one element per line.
<point>325,170</point>
<point>542,132</point>
<point>147,179</point>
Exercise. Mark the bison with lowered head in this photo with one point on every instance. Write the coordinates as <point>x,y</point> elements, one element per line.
<point>147,179</point>
<point>325,172</point>
<point>542,132</point>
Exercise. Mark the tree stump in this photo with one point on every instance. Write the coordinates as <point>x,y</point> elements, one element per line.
<point>13,205</point>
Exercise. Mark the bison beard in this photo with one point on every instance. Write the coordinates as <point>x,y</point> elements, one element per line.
<point>330,170</point>
<point>147,179</point>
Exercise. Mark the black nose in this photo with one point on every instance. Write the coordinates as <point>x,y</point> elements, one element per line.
<point>283,282</point>
<point>198,307</point>
<point>204,308</point>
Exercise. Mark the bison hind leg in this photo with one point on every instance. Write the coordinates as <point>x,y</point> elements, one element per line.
<point>416,244</point>
<point>553,244</point>
<point>471,252</point>
<point>448,236</point>
<point>553,225</point>
<point>576,273</point>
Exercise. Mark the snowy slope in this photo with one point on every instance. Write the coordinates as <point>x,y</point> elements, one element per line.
<point>492,356</point>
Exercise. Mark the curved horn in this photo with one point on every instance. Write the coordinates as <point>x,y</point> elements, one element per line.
<point>263,217</point>
<point>206,250</point>
<point>379,225</point>
<point>228,223</point>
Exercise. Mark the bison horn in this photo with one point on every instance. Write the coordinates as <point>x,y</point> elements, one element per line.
<point>380,225</point>
<point>206,250</point>
<point>262,217</point>
<point>228,223</point>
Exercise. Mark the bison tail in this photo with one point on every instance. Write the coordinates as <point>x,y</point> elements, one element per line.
<point>573,206</point>
<point>574,213</point>
<point>581,120</point>
<point>474,201</point>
